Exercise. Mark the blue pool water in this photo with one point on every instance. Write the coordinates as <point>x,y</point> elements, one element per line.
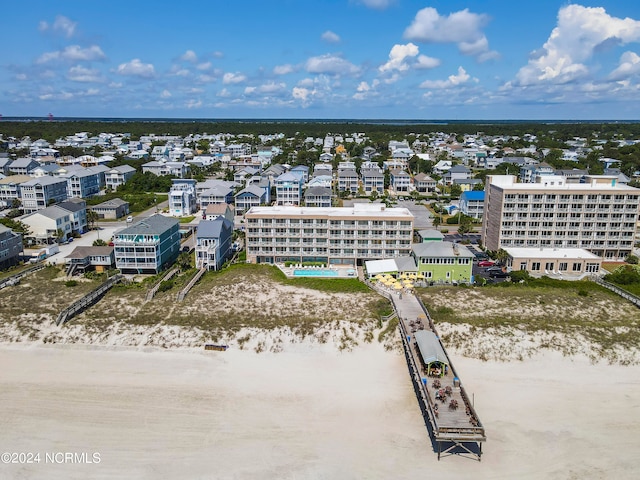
<point>314,273</point>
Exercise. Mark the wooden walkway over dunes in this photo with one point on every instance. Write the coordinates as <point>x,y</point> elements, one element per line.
<point>453,423</point>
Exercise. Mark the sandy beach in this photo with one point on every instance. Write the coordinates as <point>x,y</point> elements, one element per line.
<point>308,412</point>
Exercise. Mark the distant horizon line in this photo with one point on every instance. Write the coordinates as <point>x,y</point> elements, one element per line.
<point>381,121</point>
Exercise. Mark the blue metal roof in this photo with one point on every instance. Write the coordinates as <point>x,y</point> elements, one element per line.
<point>473,195</point>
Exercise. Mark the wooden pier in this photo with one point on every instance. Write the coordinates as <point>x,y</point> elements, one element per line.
<point>451,418</point>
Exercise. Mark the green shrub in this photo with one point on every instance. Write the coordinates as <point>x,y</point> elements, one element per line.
<point>71,283</point>
<point>165,285</point>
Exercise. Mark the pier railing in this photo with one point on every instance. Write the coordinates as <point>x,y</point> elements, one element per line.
<point>89,299</point>
<point>620,291</point>
<point>15,279</point>
<point>152,292</point>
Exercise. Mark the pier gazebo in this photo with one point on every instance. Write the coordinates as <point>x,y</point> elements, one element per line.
<point>431,352</point>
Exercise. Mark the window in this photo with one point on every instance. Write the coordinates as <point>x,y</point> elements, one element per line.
<point>577,267</point>
<point>523,265</point>
<point>535,266</point>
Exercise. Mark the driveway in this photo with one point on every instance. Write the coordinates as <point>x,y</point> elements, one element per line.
<point>104,233</point>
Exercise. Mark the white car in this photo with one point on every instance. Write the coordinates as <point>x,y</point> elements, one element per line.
<point>129,219</point>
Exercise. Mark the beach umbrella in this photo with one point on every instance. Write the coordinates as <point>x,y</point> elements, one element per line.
<point>397,286</point>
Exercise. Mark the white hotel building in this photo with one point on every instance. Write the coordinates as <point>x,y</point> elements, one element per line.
<point>599,215</point>
<point>334,236</point>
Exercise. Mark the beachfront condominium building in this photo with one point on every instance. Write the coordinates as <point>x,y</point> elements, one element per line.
<point>335,236</point>
<point>10,247</point>
<point>182,197</point>
<point>38,193</point>
<point>599,215</point>
<point>147,246</point>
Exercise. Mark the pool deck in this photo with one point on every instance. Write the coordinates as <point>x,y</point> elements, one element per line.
<point>343,272</point>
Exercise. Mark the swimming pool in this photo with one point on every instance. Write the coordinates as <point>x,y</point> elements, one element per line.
<point>315,273</point>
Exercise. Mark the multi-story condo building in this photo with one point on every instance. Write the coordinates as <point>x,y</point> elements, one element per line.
<point>289,189</point>
<point>348,180</point>
<point>84,182</point>
<point>177,169</point>
<point>182,197</point>
<point>38,193</point>
<point>372,180</point>
<point>10,188</point>
<point>318,197</point>
<point>10,247</point>
<point>336,235</point>
<point>118,176</point>
<point>148,246</point>
<point>472,203</point>
<point>214,240</point>
<point>599,215</point>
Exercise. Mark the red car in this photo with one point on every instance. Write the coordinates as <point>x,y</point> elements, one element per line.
<point>486,263</point>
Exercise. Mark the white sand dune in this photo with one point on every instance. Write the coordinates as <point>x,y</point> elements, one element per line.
<point>307,412</point>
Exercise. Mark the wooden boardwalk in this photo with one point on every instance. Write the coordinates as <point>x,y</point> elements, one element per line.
<point>453,422</point>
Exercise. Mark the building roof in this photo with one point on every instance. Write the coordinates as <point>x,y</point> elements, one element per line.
<point>84,252</point>
<point>318,191</point>
<point>213,228</point>
<point>153,225</point>
<point>22,162</point>
<point>406,264</point>
<point>357,210</point>
<point>477,195</point>
<point>430,348</point>
<point>551,253</point>
<point>123,169</point>
<point>594,182</point>
<point>375,267</point>
<point>13,179</point>
<point>217,208</point>
<point>437,249</point>
<point>44,181</point>
<point>54,212</point>
<point>72,206</point>
<point>251,190</point>
<point>110,204</point>
<point>431,233</point>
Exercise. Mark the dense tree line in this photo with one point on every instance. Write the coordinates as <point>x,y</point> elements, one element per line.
<point>378,132</point>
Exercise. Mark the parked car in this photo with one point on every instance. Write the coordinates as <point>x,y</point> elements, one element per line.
<point>486,263</point>
<point>129,219</point>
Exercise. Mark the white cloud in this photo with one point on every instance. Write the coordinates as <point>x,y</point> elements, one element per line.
<point>73,53</point>
<point>306,82</point>
<point>189,56</point>
<point>82,74</point>
<point>204,66</point>
<point>463,28</point>
<point>233,78</point>
<point>61,25</point>
<point>21,76</point>
<point>193,104</point>
<point>629,65</point>
<point>330,37</point>
<point>283,69</point>
<point>425,62</point>
<point>452,81</point>
<point>302,94</point>
<point>397,57</point>
<point>330,64</point>
<point>224,93</point>
<point>376,4</point>
<point>165,94</point>
<point>206,78</point>
<point>266,89</point>
<point>136,68</point>
<point>579,34</point>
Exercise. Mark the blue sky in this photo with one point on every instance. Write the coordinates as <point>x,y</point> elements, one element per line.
<point>403,59</point>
